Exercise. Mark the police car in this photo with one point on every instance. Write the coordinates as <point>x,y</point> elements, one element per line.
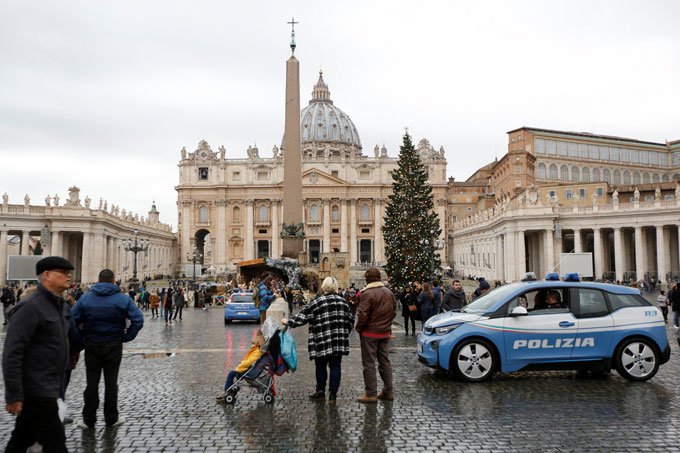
<point>549,325</point>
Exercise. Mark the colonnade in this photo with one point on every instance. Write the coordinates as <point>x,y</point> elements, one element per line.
<point>620,253</point>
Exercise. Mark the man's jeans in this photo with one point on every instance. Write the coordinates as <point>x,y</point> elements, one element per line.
<point>372,348</point>
<point>102,357</point>
<point>676,318</point>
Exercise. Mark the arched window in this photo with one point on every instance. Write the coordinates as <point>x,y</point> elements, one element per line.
<point>262,213</point>
<point>664,178</point>
<point>203,214</point>
<point>314,213</point>
<point>365,213</point>
<point>636,178</point>
<point>335,213</point>
<point>617,177</point>
<point>646,179</point>
<point>607,175</point>
<point>626,177</point>
<point>541,170</point>
<point>564,173</point>
<point>236,214</point>
<point>655,178</point>
<point>553,172</point>
<point>574,174</point>
<point>596,175</point>
<point>585,174</point>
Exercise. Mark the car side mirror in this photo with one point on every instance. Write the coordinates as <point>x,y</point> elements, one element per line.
<point>519,311</point>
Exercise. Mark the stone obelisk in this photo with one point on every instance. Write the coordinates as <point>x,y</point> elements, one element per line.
<point>292,230</point>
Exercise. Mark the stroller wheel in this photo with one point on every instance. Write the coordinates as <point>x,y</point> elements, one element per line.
<point>229,399</point>
<point>268,398</point>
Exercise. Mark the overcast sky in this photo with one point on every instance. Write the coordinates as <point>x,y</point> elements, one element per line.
<point>104,95</point>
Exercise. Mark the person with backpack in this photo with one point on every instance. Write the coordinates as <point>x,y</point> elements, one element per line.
<point>8,300</point>
<point>264,296</point>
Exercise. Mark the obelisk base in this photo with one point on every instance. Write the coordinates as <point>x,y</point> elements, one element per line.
<point>292,246</point>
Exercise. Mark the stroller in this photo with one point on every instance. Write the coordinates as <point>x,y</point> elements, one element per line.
<point>261,375</point>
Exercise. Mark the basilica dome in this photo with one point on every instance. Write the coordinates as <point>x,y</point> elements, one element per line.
<point>321,121</point>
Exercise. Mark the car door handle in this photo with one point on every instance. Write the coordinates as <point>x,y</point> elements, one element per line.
<point>567,324</point>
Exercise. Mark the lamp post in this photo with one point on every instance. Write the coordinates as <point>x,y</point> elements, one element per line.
<point>194,256</point>
<point>135,245</point>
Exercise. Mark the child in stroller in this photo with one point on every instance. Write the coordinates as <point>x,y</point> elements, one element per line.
<point>257,369</point>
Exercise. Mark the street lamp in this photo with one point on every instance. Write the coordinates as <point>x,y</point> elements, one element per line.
<point>195,257</point>
<point>135,246</point>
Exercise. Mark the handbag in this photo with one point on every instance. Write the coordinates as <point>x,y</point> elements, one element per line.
<point>412,308</point>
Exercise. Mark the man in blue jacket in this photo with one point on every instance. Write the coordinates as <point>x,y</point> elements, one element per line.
<point>102,317</point>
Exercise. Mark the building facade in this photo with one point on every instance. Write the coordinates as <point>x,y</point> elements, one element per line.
<point>558,192</point>
<point>88,236</point>
<point>231,209</point>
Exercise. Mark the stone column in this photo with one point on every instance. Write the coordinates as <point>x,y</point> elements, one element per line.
<point>220,258</point>
<point>597,251</point>
<point>549,251</point>
<point>618,254</point>
<point>510,271</point>
<point>660,254</point>
<point>55,244</point>
<point>326,226</point>
<point>276,240</point>
<point>25,238</point>
<point>187,222</point>
<point>639,254</point>
<point>98,255</point>
<point>678,251</point>
<point>250,240</point>
<point>500,258</point>
<point>377,233</point>
<point>86,262</point>
<point>343,226</point>
<point>3,257</point>
<point>352,231</point>
<point>521,265</point>
<point>441,212</point>
<point>578,245</point>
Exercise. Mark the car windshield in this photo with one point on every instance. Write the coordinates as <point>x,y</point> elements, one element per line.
<point>484,303</point>
<point>240,298</point>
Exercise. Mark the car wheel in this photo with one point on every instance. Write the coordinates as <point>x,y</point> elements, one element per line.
<point>473,360</point>
<point>227,321</point>
<point>637,359</point>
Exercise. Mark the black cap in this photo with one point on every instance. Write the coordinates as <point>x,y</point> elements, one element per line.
<point>483,284</point>
<point>52,262</point>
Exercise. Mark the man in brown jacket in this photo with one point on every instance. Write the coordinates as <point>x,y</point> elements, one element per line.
<point>377,308</point>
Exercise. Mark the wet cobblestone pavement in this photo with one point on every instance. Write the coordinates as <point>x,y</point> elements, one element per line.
<point>170,376</point>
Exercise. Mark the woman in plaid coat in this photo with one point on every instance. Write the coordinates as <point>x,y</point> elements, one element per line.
<point>330,322</point>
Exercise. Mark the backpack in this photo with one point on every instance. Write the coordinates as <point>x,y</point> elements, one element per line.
<point>256,297</point>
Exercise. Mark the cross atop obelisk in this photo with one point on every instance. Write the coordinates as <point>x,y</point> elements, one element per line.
<point>292,34</point>
<point>292,228</point>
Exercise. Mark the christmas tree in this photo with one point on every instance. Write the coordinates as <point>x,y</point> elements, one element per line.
<point>410,226</point>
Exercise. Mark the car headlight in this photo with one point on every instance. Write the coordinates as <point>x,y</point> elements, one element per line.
<point>446,329</point>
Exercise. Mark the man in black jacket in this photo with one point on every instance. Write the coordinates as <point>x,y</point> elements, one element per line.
<point>454,299</point>
<point>34,359</point>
